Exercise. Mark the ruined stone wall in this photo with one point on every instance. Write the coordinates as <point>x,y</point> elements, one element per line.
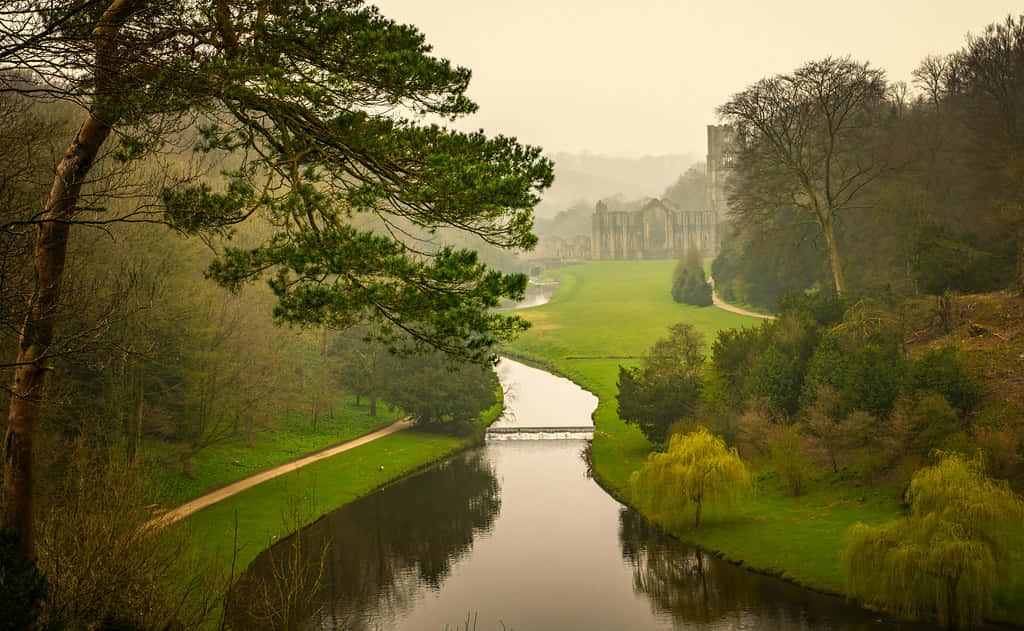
<point>659,231</point>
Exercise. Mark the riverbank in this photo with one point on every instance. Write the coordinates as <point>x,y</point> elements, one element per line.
<point>231,533</point>
<point>614,309</point>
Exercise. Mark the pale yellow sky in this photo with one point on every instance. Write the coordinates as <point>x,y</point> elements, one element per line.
<point>644,77</point>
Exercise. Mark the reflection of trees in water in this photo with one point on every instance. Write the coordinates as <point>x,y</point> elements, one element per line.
<point>696,588</point>
<point>679,580</point>
<point>385,548</point>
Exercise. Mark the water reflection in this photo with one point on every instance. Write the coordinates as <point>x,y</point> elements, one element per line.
<point>700,591</point>
<point>381,551</point>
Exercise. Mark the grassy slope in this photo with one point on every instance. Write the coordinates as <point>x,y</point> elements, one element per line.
<point>617,309</point>
<point>228,461</point>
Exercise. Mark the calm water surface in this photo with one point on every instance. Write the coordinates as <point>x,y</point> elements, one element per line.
<point>514,535</point>
<point>537,293</point>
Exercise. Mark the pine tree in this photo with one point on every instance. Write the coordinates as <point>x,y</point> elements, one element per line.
<point>315,105</point>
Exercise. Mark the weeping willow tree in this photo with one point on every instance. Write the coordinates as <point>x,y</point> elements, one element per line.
<point>697,468</point>
<point>947,556</point>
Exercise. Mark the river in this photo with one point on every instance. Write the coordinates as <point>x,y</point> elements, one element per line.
<point>515,535</point>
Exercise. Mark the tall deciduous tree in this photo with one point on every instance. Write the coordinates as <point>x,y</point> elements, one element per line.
<point>947,556</point>
<point>315,99</point>
<point>805,141</point>
<point>696,469</point>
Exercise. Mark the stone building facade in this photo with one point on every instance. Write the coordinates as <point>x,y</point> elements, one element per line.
<point>657,230</point>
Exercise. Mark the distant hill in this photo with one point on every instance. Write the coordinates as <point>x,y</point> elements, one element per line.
<point>587,178</point>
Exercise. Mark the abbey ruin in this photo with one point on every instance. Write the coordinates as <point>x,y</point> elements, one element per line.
<point>658,230</point>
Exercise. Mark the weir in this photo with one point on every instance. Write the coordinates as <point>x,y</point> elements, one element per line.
<point>540,433</point>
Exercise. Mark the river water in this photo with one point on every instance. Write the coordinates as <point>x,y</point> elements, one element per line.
<point>514,535</point>
<point>537,293</point>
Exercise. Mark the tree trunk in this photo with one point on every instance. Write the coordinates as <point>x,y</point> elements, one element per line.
<point>373,404</point>
<point>699,506</point>
<point>833,257</point>
<point>51,246</point>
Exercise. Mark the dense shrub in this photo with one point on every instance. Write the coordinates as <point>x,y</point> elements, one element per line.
<point>943,371</point>
<point>873,380</point>
<point>944,263</point>
<point>826,367</point>
<point>733,352</point>
<point>776,379</point>
<point>689,284</point>
<point>825,309</point>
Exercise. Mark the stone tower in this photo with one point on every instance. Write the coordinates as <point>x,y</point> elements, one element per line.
<point>719,139</point>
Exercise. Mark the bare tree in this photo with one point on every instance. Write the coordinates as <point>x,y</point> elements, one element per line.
<point>932,76</point>
<point>804,141</point>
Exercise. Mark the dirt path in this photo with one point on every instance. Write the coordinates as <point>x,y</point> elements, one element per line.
<point>728,307</point>
<point>181,512</point>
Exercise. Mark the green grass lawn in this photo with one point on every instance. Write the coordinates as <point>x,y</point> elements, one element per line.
<point>281,506</point>
<point>608,312</point>
<point>231,460</point>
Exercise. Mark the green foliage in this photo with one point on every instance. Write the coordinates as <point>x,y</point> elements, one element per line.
<point>824,309</point>
<point>696,469</point>
<point>946,557</point>
<point>774,379</point>
<point>435,391</point>
<point>732,354</point>
<point>317,107</point>
<point>873,380</point>
<point>757,267</point>
<point>826,367</point>
<point>944,371</point>
<point>818,173</point>
<point>943,264</point>
<point>666,386</point>
<point>791,464</point>
<point>689,284</point>
<point>924,423</point>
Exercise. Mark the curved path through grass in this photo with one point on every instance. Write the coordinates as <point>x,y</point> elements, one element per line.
<point>721,304</point>
<point>188,508</point>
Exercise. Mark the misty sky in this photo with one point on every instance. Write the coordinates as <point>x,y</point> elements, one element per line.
<point>644,77</point>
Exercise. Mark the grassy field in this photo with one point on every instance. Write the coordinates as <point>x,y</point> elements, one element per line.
<point>607,314</point>
<point>231,460</point>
